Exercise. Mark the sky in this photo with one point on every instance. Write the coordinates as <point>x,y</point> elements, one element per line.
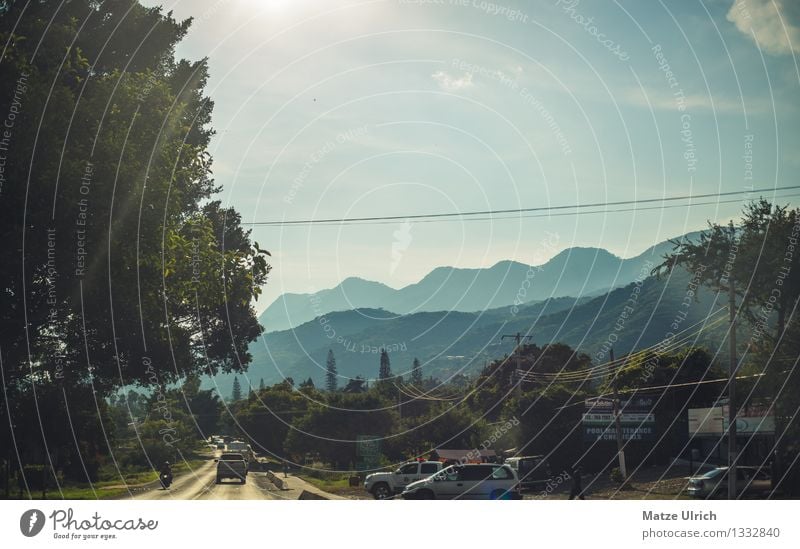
<point>332,109</point>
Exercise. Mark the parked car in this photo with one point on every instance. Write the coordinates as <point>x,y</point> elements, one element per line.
<point>387,484</point>
<point>468,481</point>
<point>231,465</point>
<point>749,480</point>
<point>532,471</point>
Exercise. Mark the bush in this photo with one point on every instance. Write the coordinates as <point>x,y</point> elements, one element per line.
<point>322,471</point>
<point>37,477</point>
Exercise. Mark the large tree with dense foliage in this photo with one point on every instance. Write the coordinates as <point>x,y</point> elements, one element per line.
<point>118,268</point>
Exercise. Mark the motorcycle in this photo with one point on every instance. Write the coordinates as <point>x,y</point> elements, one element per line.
<point>166,480</point>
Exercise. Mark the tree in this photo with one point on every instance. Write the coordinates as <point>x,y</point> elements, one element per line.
<point>331,376</point>
<point>132,180</point>
<point>385,371</point>
<point>307,384</point>
<point>141,278</point>
<point>266,421</point>
<point>355,385</point>
<point>416,373</point>
<point>236,395</point>
<point>756,255</point>
<point>772,284</point>
<point>331,429</point>
<point>261,385</point>
<point>206,408</point>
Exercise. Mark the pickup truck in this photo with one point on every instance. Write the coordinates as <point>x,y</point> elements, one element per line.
<point>230,465</point>
<point>388,484</point>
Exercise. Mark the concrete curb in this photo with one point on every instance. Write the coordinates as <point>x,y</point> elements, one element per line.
<point>274,479</point>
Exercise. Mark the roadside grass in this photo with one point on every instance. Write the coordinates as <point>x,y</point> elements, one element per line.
<point>333,483</point>
<point>334,486</point>
<point>112,486</point>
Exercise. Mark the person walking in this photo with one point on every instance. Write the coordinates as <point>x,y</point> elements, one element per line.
<point>577,485</point>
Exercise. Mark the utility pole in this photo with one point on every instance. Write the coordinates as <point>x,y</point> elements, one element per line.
<point>399,403</point>
<point>732,391</point>
<point>618,422</point>
<point>518,337</point>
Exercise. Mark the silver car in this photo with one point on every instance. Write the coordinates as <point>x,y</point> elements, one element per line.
<point>749,480</point>
<point>468,481</point>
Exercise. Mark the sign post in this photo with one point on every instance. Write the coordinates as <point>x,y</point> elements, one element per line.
<point>368,452</point>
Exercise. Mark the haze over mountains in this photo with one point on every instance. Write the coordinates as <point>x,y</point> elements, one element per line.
<point>449,343</point>
<point>573,272</point>
<point>577,298</point>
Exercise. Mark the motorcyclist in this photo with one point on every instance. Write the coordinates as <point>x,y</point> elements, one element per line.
<point>166,469</point>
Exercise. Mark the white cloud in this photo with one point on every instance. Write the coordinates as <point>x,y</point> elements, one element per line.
<point>662,100</point>
<point>451,83</point>
<point>770,23</point>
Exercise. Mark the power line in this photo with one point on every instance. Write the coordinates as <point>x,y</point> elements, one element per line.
<point>687,384</point>
<point>617,366</point>
<point>549,215</point>
<point>587,375</point>
<point>470,214</point>
<point>422,395</point>
<point>671,386</point>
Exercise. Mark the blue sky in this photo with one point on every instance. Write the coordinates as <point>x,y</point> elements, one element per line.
<point>392,107</point>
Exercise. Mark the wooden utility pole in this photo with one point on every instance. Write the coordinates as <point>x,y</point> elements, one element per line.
<point>732,391</point>
<point>518,337</point>
<point>618,422</point>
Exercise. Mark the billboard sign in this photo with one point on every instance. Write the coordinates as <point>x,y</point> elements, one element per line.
<point>635,426</point>
<point>706,421</point>
<point>714,421</point>
<point>368,452</point>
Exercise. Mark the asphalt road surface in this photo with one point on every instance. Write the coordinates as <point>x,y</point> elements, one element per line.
<point>201,484</point>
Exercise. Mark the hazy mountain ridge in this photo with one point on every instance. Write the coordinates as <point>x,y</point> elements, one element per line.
<point>572,272</point>
<point>453,342</point>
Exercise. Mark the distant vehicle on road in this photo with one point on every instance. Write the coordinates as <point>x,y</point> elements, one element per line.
<point>237,446</point>
<point>215,441</point>
<point>468,481</point>
<point>388,484</point>
<point>231,465</point>
<point>749,480</point>
<point>532,471</point>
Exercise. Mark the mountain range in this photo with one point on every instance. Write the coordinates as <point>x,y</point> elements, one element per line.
<point>574,272</point>
<point>617,303</point>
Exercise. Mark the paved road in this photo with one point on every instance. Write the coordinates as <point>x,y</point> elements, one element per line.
<point>201,484</point>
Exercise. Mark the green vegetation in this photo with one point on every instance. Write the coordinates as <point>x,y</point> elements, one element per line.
<point>760,261</point>
<point>319,428</point>
<point>132,275</point>
<point>126,281</point>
